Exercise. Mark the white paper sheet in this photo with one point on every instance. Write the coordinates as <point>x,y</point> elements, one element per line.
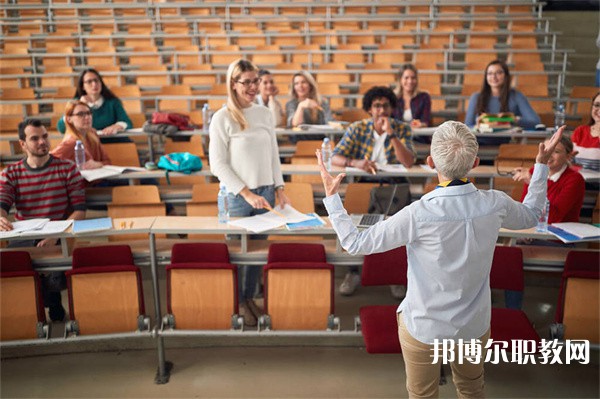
<point>52,227</point>
<point>24,225</point>
<point>107,171</point>
<point>270,220</point>
<point>391,168</point>
<point>579,229</point>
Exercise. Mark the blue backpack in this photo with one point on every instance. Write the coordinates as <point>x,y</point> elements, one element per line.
<point>182,162</point>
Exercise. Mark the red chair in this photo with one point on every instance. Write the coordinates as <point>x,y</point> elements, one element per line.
<point>299,292</point>
<point>507,274</point>
<point>201,288</point>
<point>578,309</point>
<point>22,314</point>
<point>105,292</point>
<point>378,322</point>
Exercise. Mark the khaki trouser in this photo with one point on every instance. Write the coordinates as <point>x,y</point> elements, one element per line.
<point>422,377</point>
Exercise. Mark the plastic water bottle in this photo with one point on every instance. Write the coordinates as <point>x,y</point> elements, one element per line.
<point>326,152</point>
<point>79,155</point>
<point>205,118</point>
<point>223,204</point>
<point>542,225</point>
<point>559,116</point>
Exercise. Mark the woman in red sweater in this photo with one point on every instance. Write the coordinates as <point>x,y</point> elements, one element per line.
<point>566,187</point>
<point>586,139</point>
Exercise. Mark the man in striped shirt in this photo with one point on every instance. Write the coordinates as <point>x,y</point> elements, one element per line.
<point>41,186</point>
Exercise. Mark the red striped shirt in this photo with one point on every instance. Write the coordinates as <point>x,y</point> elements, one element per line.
<point>53,191</point>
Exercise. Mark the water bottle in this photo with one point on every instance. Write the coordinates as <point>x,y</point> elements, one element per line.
<point>326,152</point>
<point>542,225</point>
<point>205,118</point>
<point>222,204</point>
<point>559,116</point>
<point>79,155</point>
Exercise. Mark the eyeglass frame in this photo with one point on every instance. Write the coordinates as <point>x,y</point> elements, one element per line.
<point>247,83</point>
<point>83,114</point>
<point>90,81</point>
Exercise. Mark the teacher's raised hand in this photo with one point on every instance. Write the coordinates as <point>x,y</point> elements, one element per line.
<point>330,183</point>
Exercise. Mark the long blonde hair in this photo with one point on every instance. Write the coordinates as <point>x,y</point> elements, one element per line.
<point>236,68</point>
<point>406,67</point>
<point>72,130</point>
<point>313,94</point>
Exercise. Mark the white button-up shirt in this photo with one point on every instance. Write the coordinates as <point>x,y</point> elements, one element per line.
<point>450,234</point>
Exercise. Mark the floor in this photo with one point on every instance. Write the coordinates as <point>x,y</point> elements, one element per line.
<point>229,367</point>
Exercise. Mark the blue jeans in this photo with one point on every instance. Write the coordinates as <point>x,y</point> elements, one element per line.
<point>248,276</point>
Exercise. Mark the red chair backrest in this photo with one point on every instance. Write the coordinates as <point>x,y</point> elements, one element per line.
<point>507,269</point>
<point>200,252</point>
<point>296,253</point>
<point>15,261</point>
<point>106,255</point>
<point>385,268</point>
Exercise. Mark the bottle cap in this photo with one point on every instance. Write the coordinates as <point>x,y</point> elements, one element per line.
<point>78,142</point>
<point>326,140</point>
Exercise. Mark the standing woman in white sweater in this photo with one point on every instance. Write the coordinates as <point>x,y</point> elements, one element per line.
<point>244,156</point>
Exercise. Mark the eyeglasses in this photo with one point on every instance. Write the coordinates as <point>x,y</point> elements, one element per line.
<point>248,83</point>
<point>596,105</point>
<point>90,81</point>
<point>497,73</point>
<point>83,114</point>
<point>504,173</point>
<point>381,105</point>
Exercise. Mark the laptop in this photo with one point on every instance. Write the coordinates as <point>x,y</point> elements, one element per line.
<point>365,220</point>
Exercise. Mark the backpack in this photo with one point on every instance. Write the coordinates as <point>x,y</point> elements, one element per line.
<point>182,162</point>
<point>182,121</point>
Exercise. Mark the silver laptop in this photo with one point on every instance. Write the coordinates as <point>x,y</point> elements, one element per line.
<point>369,219</point>
<point>366,219</point>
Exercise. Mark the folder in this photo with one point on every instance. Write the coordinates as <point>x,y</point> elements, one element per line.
<point>90,225</point>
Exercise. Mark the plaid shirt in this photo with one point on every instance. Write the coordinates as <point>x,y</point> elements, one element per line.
<point>358,141</point>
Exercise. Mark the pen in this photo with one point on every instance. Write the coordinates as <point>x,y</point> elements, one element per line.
<point>372,170</point>
<point>274,211</point>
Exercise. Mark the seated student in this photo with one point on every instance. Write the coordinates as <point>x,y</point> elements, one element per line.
<point>78,120</point>
<point>378,140</point>
<point>306,106</point>
<point>108,113</point>
<point>414,106</point>
<point>267,92</point>
<point>586,139</point>
<point>497,96</point>
<point>41,186</point>
<point>566,189</point>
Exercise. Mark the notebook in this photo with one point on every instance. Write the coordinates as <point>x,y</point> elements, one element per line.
<point>90,225</point>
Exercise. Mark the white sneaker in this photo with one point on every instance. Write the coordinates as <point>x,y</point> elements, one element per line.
<point>350,284</point>
<point>398,291</point>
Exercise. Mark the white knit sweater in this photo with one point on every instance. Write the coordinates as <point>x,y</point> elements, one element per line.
<point>244,158</point>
